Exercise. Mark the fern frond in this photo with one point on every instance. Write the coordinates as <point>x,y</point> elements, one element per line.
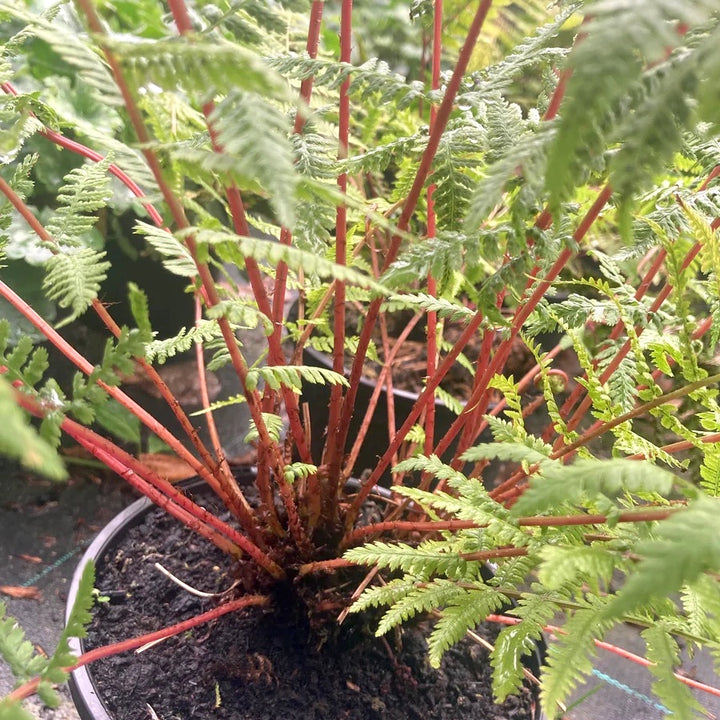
<point>196,64</point>
<point>161,350</point>
<point>429,464</point>
<point>710,469</point>
<point>430,557</point>
<point>256,149</point>
<point>292,376</point>
<point>563,485</point>
<point>428,303</point>
<point>462,612</point>
<point>418,600</point>
<point>85,191</point>
<point>299,471</point>
<point>73,279</point>
<point>77,622</point>
<point>175,257</point>
<point>514,642</point>
<point>572,566</point>
<point>569,656</point>
<point>685,546</point>
<point>663,652</point>
<point>273,423</point>
<point>535,452</point>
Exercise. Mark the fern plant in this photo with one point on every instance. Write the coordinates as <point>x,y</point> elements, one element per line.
<point>491,220</point>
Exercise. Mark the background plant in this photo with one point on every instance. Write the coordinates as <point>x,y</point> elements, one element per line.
<point>445,198</point>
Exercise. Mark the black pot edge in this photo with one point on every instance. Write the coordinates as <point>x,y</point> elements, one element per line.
<point>82,687</point>
<point>83,690</point>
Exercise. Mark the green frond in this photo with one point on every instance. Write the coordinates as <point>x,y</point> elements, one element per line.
<point>569,656</point>
<point>387,594</point>
<point>160,350</point>
<point>235,248</point>
<point>426,303</point>
<point>256,149</point>
<point>140,309</point>
<point>663,652</point>
<point>535,452</point>
<point>429,464</point>
<point>292,376</point>
<point>241,313</point>
<point>514,642</point>
<point>77,622</point>
<point>19,440</point>
<point>572,566</point>
<point>449,400</point>
<point>16,651</point>
<point>430,557</point>
<point>685,545</point>
<point>175,257</point>
<point>710,469</point>
<point>529,154</point>
<point>273,423</point>
<point>196,64</point>
<point>529,52</point>
<point>85,191</point>
<point>559,486</point>
<point>421,599</point>
<point>73,279</point>
<point>462,612</point>
<point>299,471</point>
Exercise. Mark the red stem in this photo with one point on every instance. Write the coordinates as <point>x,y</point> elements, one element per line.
<point>28,688</point>
<point>178,213</point>
<point>408,210</point>
<point>335,437</point>
<point>426,396</point>
<point>432,321</point>
<point>523,311</point>
<point>237,210</point>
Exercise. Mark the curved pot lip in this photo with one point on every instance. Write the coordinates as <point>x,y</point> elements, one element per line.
<point>82,686</point>
<point>83,690</point>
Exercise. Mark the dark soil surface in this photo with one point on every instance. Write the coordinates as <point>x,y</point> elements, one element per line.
<point>264,664</point>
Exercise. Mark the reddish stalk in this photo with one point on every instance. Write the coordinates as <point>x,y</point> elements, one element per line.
<point>432,320</point>
<point>29,688</point>
<point>239,217</point>
<point>178,213</point>
<point>336,438</point>
<point>372,403</point>
<point>426,396</point>
<point>443,115</point>
<point>523,311</point>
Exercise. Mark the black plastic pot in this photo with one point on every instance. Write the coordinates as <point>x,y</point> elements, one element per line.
<point>84,692</point>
